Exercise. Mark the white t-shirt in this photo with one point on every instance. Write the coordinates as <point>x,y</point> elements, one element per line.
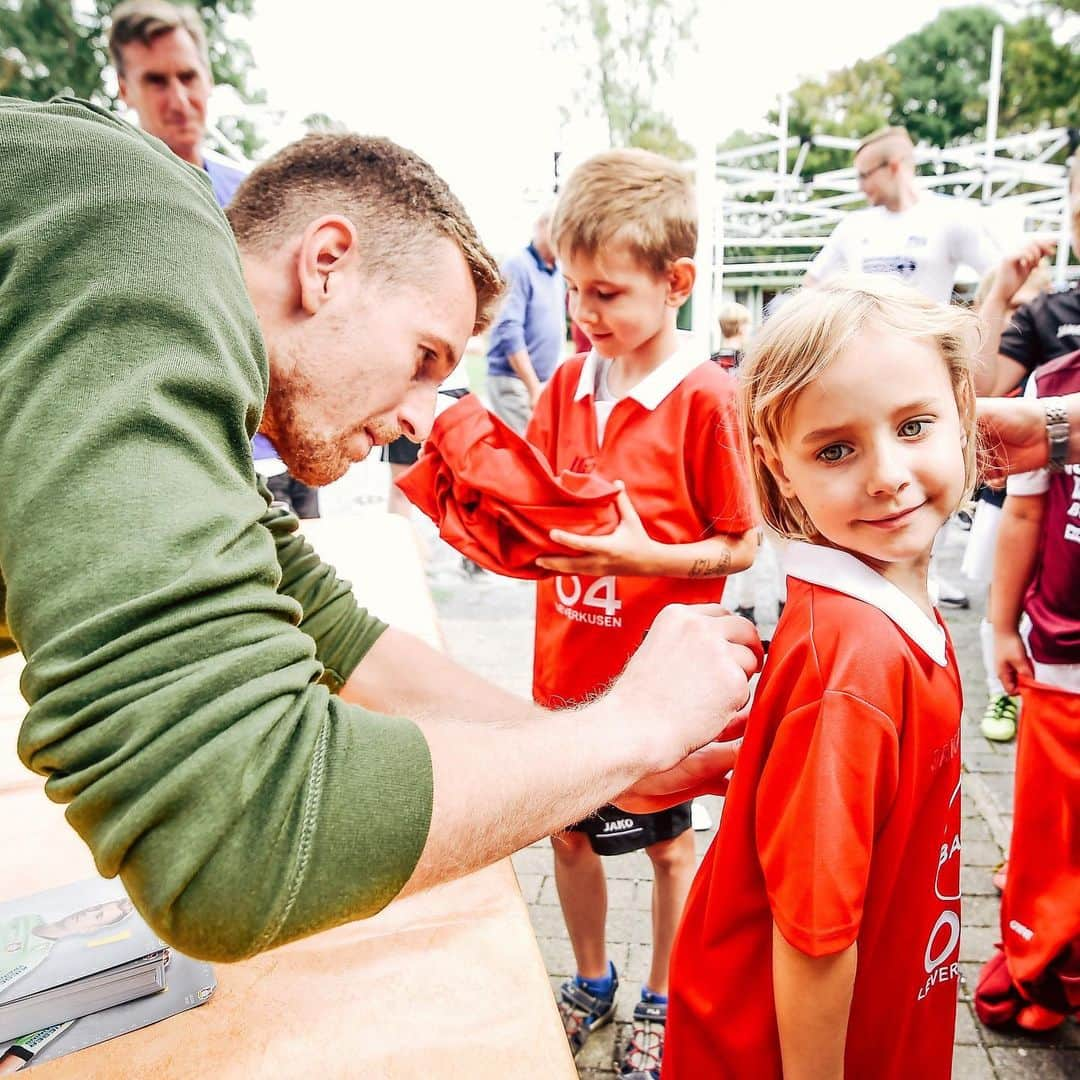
<point>923,244</point>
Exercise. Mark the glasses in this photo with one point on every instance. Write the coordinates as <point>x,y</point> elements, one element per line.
<point>862,176</point>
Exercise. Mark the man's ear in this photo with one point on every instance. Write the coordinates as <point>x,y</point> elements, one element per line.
<point>772,462</point>
<point>328,246</point>
<point>681,275</point>
<point>123,91</point>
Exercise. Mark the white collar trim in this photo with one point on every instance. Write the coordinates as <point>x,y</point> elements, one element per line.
<point>844,573</point>
<point>656,386</point>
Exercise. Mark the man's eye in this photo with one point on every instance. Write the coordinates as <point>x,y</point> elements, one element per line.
<point>912,429</point>
<point>834,453</point>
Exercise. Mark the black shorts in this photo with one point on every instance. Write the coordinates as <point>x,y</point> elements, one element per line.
<point>612,831</point>
<point>401,451</point>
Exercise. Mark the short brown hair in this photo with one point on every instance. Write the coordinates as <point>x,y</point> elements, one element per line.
<point>895,135</point>
<point>733,319</point>
<point>807,334</point>
<point>145,20</point>
<point>631,197</point>
<point>393,197</point>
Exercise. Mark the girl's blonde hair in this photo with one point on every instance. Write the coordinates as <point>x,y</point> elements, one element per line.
<point>798,343</point>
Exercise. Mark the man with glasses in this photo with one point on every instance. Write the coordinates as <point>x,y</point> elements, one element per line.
<point>914,234</point>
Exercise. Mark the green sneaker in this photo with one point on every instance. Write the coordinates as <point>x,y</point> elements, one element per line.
<point>999,719</point>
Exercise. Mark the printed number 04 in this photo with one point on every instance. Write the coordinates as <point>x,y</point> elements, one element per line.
<point>600,594</point>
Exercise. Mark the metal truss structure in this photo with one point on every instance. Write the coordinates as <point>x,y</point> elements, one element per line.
<point>771,221</point>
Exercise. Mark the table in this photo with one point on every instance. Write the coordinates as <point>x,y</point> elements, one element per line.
<point>445,984</point>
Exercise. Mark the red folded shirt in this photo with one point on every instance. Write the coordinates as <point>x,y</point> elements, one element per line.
<point>494,496</point>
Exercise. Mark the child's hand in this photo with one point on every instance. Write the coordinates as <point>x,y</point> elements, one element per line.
<point>629,550</point>
<point>1010,659</point>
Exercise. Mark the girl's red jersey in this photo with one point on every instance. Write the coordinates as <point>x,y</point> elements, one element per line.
<point>842,825</point>
<point>673,440</point>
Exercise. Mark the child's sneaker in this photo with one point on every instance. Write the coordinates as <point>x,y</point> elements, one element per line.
<point>999,719</point>
<point>645,1049</point>
<point>582,1011</point>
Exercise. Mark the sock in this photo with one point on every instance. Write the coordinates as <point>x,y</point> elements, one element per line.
<point>652,998</point>
<point>599,987</point>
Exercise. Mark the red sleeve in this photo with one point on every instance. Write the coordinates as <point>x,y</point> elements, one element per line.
<point>825,791</point>
<point>719,483</point>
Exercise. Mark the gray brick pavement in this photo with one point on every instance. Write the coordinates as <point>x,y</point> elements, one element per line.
<point>488,627</point>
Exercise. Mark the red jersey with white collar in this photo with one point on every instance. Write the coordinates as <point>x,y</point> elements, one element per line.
<point>842,825</point>
<point>673,440</point>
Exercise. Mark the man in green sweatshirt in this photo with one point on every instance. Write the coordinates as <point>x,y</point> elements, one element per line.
<point>197,696</point>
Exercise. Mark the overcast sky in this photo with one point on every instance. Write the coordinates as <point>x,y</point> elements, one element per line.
<point>475,86</point>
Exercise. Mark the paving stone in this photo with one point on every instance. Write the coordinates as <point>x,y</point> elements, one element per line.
<point>981,853</point>
<point>975,830</point>
<point>530,886</point>
<point>967,1027</point>
<point>1035,1064</point>
<point>976,881</point>
<point>977,943</point>
<point>983,762</point>
<point>972,1063</point>
<point>982,911</point>
<point>532,860</point>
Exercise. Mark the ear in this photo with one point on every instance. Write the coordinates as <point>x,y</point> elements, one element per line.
<point>328,247</point>
<point>124,91</point>
<point>771,460</point>
<point>681,275</point>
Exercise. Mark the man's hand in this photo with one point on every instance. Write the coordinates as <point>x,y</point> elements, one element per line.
<point>1014,436</point>
<point>628,551</point>
<point>685,683</point>
<point>1014,270</point>
<point>1011,660</point>
<point>707,771</point>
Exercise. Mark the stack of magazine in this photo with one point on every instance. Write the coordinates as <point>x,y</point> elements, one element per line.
<point>79,966</point>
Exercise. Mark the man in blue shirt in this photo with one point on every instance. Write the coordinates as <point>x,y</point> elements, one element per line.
<point>526,341</point>
<point>163,65</point>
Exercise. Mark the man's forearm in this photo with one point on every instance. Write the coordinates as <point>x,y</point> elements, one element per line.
<point>521,362</point>
<point>813,1003</point>
<point>404,676</point>
<point>499,791</point>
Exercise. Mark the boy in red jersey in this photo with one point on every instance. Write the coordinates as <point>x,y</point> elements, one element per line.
<point>642,408</point>
<point>821,936</point>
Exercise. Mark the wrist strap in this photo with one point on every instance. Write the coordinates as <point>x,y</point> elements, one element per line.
<point>1057,433</point>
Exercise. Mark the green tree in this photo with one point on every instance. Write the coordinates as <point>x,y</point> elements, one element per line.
<point>50,47</point>
<point>629,46</point>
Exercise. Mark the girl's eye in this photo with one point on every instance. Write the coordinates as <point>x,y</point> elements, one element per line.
<point>834,453</point>
<point>911,429</point>
<point>604,295</point>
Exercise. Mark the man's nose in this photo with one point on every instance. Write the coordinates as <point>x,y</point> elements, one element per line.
<point>417,413</point>
<point>176,95</point>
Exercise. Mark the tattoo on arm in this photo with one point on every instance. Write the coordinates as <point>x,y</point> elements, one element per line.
<point>711,568</point>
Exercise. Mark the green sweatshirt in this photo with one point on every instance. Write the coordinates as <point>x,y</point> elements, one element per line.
<point>179,634</point>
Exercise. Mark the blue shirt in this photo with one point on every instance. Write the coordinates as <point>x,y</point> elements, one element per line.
<point>532,316</point>
<point>225,176</point>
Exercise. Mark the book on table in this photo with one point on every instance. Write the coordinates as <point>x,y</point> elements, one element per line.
<point>72,951</point>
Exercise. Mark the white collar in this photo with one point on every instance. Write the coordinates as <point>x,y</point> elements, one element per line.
<point>655,386</point>
<point>843,573</point>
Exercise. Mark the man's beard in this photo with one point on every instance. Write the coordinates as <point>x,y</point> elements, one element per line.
<point>315,457</point>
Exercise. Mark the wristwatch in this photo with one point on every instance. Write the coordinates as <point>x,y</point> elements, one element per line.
<point>1057,433</point>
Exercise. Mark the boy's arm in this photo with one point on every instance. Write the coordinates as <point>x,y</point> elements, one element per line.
<point>813,1001</point>
<point>1014,567</point>
<point>629,551</point>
